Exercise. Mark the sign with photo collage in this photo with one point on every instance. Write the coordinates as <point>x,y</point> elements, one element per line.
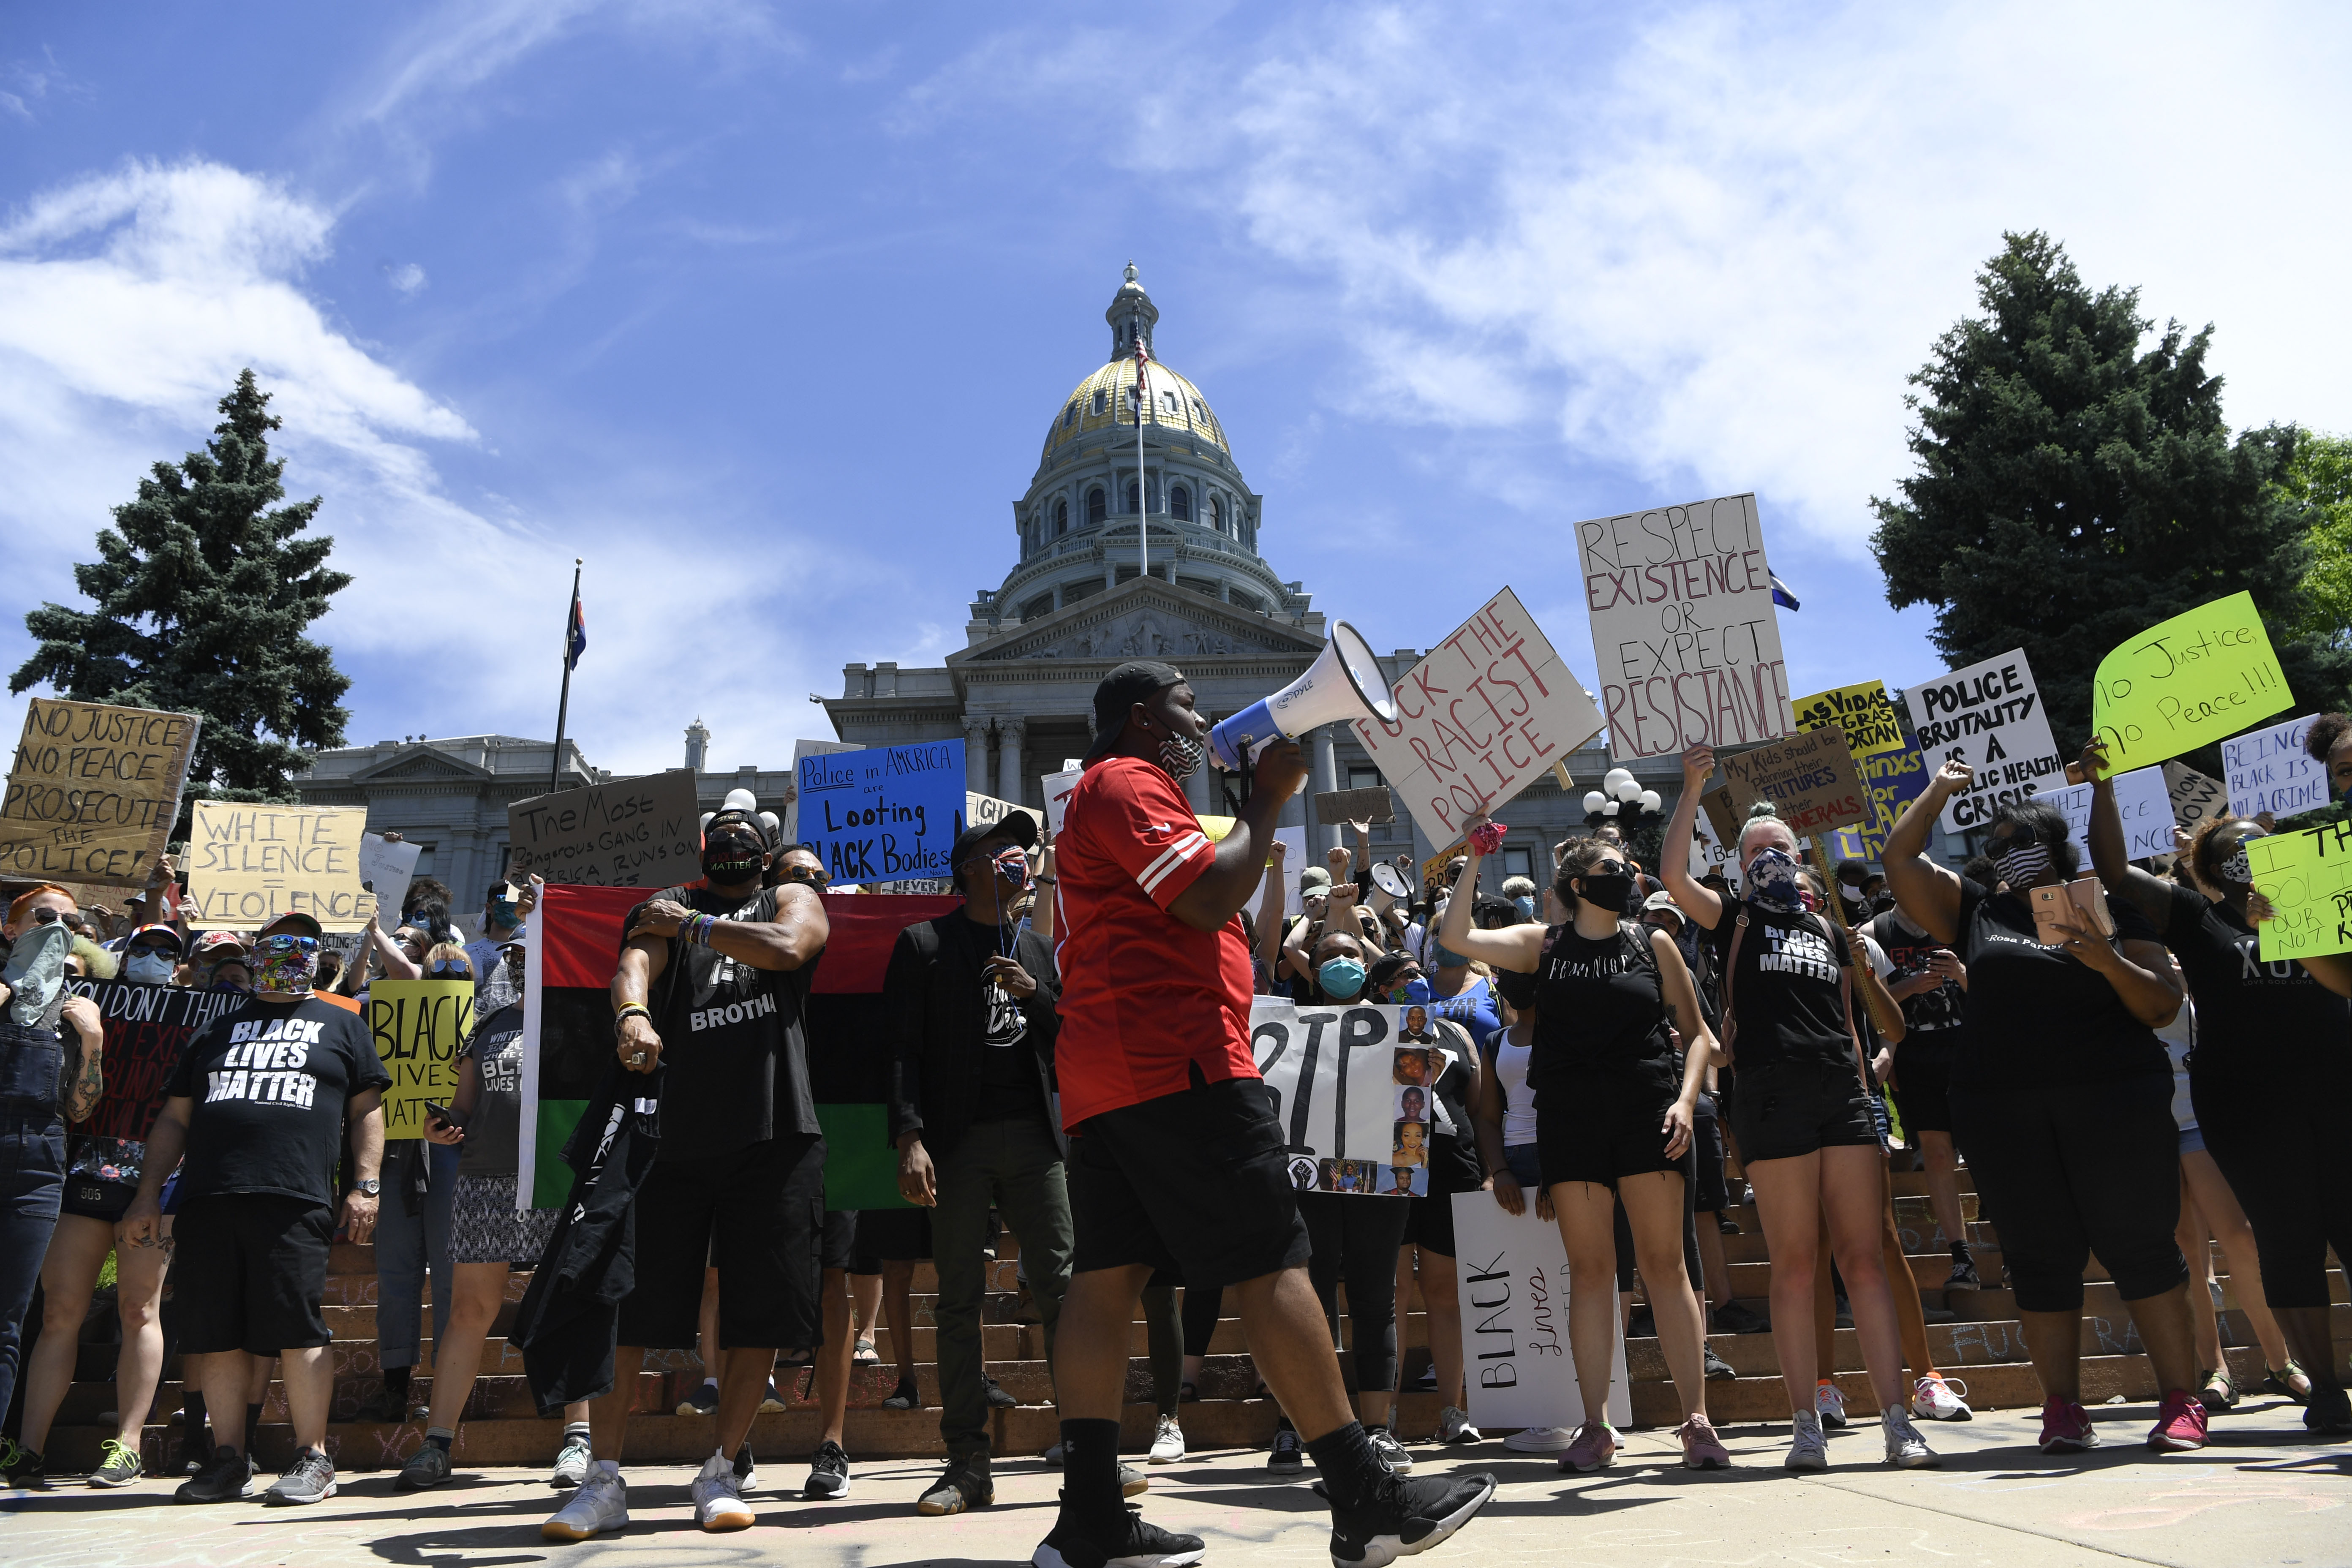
<point>1355,1087</point>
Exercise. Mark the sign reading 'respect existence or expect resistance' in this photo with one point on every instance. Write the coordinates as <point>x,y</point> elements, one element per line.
<point>249,864</point>
<point>93,792</point>
<point>1989,716</point>
<point>1683,628</point>
<point>2195,679</point>
<point>885,813</point>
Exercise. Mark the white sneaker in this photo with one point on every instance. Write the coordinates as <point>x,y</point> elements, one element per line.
<point>1807,1449</point>
<point>717,1505</point>
<point>1905,1449</point>
<point>1540,1440</point>
<point>602,1503</point>
<point>1053,1456</point>
<point>1167,1442</point>
<point>1939,1399</point>
<point>1830,1405</point>
<point>1454,1426</point>
<point>571,1462</point>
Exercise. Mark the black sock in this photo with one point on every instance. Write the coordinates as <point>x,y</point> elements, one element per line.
<point>252,1427</point>
<point>192,1415</point>
<point>1960,1252</point>
<point>1090,1472</point>
<point>440,1440</point>
<point>1352,1471</point>
<point>396,1382</point>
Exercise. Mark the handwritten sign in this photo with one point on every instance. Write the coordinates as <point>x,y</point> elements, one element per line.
<point>633,833</point>
<point>147,1026</point>
<point>1684,628</point>
<point>2197,798</point>
<point>93,792</point>
<point>982,810</point>
<point>1810,778</point>
<point>2187,682</point>
<point>1487,712</point>
<point>2268,770</point>
<point>884,813</point>
<point>1354,1088</point>
<point>1058,787</point>
<point>2141,800</point>
<point>801,749</point>
<point>1892,780</point>
<point>418,1025</point>
<point>1863,711</point>
<point>1989,716</point>
<point>1513,1279</point>
<point>387,868</point>
<point>249,864</point>
<point>1334,806</point>
<point>2307,878</point>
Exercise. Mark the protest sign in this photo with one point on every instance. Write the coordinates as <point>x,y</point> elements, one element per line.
<point>1863,711</point>
<point>1057,796</point>
<point>2187,682</point>
<point>1892,780</point>
<point>1683,628</point>
<point>418,1026</point>
<point>1295,859</point>
<point>249,864</point>
<point>147,1026</point>
<point>93,792</point>
<point>386,870</point>
<point>633,833</point>
<point>2268,770</point>
<point>1337,807</point>
<point>1354,1088</point>
<point>1809,777</point>
<point>2197,798</point>
<point>801,749</point>
<point>1490,709</point>
<point>982,809</point>
<point>1989,716</point>
<point>2307,878</point>
<point>2143,802</point>
<point>1708,852</point>
<point>884,812</point>
<point>1513,1272</point>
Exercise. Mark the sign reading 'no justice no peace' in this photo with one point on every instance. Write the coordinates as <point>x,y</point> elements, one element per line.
<point>93,792</point>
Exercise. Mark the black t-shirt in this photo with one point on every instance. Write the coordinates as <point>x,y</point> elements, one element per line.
<point>1012,1087</point>
<point>1787,994</point>
<point>732,1039</point>
<point>2252,1018</point>
<point>1931,1018</point>
<point>2037,1012</point>
<point>494,1131</point>
<point>1599,1009</point>
<point>1453,1165</point>
<point>270,1083</point>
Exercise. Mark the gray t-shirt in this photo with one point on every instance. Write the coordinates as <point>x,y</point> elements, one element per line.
<point>494,1132</point>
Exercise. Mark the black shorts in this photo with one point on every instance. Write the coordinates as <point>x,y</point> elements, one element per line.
<point>890,1236</point>
<point>838,1245</point>
<point>1923,1082</point>
<point>1196,1184</point>
<point>1430,1227</point>
<point>1596,1127</point>
<point>757,1217</point>
<point>1710,1194</point>
<point>1788,1109</point>
<point>249,1273</point>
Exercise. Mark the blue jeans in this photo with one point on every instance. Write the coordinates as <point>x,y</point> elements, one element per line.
<point>32,1178</point>
<point>1521,1161</point>
<point>405,1244</point>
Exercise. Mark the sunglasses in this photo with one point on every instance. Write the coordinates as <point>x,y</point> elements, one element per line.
<point>807,876</point>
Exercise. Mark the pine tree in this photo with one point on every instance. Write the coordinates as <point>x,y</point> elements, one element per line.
<point>203,588</point>
<point>2076,488</point>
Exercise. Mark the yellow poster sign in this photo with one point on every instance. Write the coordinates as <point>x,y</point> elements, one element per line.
<point>1863,711</point>
<point>93,792</point>
<point>2198,677</point>
<point>249,864</point>
<point>418,1026</point>
<point>2307,878</point>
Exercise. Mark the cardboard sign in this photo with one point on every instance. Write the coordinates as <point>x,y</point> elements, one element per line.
<point>249,864</point>
<point>633,833</point>
<point>386,870</point>
<point>1057,796</point>
<point>2197,798</point>
<point>801,749</point>
<point>1489,711</point>
<point>1893,781</point>
<point>2307,878</point>
<point>2141,800</point>
<point>1338,808</point>
<point>886,813</point>
<point>1683,628</point>
<point>1709,852</point>
<point>980,808</point>
<point>418,1025</point>
<point>93,792</point>
<point>2187,682</point>
<point>2268,770</point>
<point>147,1028</point>
<point>1989,716</point>
<point>1810,778</point>
<point>1354,1088</point>
<point>1863,711</point>
<point>1513,1272</point>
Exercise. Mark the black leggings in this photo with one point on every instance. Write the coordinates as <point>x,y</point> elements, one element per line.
<point>1358,1238</point>
<point>2281,1146</point>
<point>1203,1306</point>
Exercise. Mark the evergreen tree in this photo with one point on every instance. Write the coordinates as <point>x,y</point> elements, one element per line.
<point>2075,489</point>
<point>203,588</point>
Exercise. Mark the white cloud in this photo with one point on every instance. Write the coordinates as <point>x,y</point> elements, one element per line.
<point>407,279</point>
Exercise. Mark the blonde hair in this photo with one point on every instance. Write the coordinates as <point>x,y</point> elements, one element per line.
<point>447,953</point>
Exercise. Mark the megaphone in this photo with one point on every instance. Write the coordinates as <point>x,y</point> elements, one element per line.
<point>1345,682</point>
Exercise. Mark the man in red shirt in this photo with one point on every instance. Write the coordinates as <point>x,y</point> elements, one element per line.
<point>1177,1165</point>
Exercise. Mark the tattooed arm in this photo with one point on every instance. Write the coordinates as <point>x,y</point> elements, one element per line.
<point>90,1076</point>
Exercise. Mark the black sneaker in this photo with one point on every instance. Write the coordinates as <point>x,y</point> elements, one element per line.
<point>966,1485</point>
<point>224,1476</point>
<point>1739,1318</point>
<point>1141,1545</point>
<point>993,1392</point>
<point>382,1404</point>
<point>906,1397</point>
<point>1643,1325</point>
<point>1716,1369</point>
<point>828,1473</point>
<point>119,1468</point>
<point>1844,1313</point>
<point>747,1471</point>
<point>1408,1517</point>
<point>1288,1452</point>
<point>22,1467</point>
<point>1964,1273</point>
<point>2329,1412</point>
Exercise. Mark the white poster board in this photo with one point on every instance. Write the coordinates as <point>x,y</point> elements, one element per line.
<point>793,806</point>
<point>1489,710</point>
<point>1683,628</point>
<point>1989,716</point>
<point>386,870</point>
<point>1355,1091</point>
<point>1708,853</point>
<point>1057,796</point>
<point>2268,770</point>
<point>2143,801</point>
<point>1294,866</point>
<point>1512,1272</point>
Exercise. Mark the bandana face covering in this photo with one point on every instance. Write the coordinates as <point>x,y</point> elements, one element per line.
<point>1181,757</point>
<point>2021,865</point>
<point>1772,882</point>
<point>2236,870</point>
<point>1012,866</point>
<point>284,964</point>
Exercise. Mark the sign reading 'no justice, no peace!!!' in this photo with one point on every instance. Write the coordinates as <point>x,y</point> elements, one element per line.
<point>93,791</point>
<point>2196,678</point>
<point>884,813</point>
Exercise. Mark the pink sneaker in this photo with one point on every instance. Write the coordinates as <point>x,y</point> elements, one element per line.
<point>1702,1450</point>
<point>2067,1427</point>
<point>1595,1446</point>
<point>2180,1423</point>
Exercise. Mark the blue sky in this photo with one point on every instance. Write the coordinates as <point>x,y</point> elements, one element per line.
<point>763,310</point>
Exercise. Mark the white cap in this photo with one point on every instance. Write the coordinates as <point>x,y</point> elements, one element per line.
<point>1661,900</point>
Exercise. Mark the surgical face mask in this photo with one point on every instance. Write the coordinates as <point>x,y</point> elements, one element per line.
<point>1773,882</point>
<point>148,967</point>
<point>502,913</point>
<point>1610,891</point>
<point>1526,905</point>
<point>1180,755</point>
<point>731,861</point>
<point>284,964</point>
<point>1342,978</point>
<point>2022,861</point>
<point>1415,990</point>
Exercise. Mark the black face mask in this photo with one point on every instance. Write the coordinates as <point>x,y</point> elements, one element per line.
<point>731,862</point>
<point>1613,892</point>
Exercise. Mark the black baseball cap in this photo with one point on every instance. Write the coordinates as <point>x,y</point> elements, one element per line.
<point>1124,686</point>
<point>1018,826</point>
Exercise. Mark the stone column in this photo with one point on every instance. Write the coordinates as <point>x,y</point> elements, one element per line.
<point>1009,734</point>
<point>975,754</point>
<point>1324,774</point>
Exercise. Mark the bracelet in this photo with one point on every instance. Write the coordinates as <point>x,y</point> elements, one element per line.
<point>623,1017</point>
<point>1047,881</point>
<point>697,929</point>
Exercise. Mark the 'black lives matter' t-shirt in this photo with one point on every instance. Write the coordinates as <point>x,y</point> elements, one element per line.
<point>494,1131</point>
<point>2039,1015</point>
<point>2252,1018</point>
<point>1788,992</point>
<point>1930,1019</point>
<point>732,1039</point>
<point>270,1082</point>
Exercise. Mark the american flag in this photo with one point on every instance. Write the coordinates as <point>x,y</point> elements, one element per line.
<point>1143,393</point>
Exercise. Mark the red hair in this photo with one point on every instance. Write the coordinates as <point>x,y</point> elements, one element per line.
<point>24,901</point>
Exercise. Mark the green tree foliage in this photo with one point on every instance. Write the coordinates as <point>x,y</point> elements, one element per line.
<point>2077,484</point>
<point>203,588</point>
<point>2320,477</point>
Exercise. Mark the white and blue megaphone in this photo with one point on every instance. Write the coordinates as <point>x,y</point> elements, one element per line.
<point>1346,682</point>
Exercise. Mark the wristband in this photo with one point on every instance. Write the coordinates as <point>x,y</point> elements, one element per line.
<point>622,1016</point>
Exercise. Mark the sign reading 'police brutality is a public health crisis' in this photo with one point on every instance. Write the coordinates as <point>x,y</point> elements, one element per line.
<point>884,813</point>
<point>93,792</point>
<point>249,864</point>
<point>637,833</point>
<point>1989,716</point>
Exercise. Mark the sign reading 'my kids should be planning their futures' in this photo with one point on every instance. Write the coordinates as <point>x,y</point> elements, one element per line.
<point>886,813</point>
<point>1989,716</point>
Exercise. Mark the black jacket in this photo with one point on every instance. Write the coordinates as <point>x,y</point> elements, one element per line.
<point>936,1015</point>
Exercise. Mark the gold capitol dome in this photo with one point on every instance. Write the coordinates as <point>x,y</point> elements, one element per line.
<point>1107,398</point>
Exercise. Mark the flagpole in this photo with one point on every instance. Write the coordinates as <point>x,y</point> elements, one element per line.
<point>563,703</point>
<point>1142,486</point>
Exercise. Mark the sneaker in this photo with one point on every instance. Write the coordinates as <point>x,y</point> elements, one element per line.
<point>1643,1325</point>
<point>602,1503</point>
<point>1454,1426</point>
<point>1288,1453</point>
<point>1594,1446</point>
<point>2067,1427</point>
<point>703,1401</point>
<point>1132,1482</point>
<point>2219,1394</point>
<point>718,1496</point>
<point>1807,1449</point>
<point>429,1466</point>
<point>194,1452</point>
<point>1964,1273</point>
<point>828,1473</point>
<point>118,1466</point>
<point>1905,1449</point>
<point>1408,1517</point>
<point>571,1462</point>
<point>1702,1450</point>
<point>966,1485</point>
<point>22,1467</point>
<point>906,1397</point>
<point>224,1476</point>
<point>1540,1440</point>
<point>1830,1405</point>
<point>746,1471</point>
<point>1167,1442</point>
<point>1391,1451</point>
<point>309,1478</point>
<point>2292,1382</point>
<point>2179,1422</point>
<point>1053,1457</point>
<point>1716,1369</point>
<point>1738,1318</point>
<point>1939,1399</point>
<point>773,1401</point>
<point>993,1392</point>
<point>1139,1544</point>
<point>1844,1313</point>
<point>2329,1412</point>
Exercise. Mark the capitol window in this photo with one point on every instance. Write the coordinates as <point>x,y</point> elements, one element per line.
<point>1095,505</point>
<point>1180,503</point>
<point>1199,413</point>
<point>1096,406</point>
<point>1168,401</point>
<point>1131,505</point>
<point>1070,415</point>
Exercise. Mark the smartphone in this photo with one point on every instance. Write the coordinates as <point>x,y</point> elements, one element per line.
<point>436,1111</point>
